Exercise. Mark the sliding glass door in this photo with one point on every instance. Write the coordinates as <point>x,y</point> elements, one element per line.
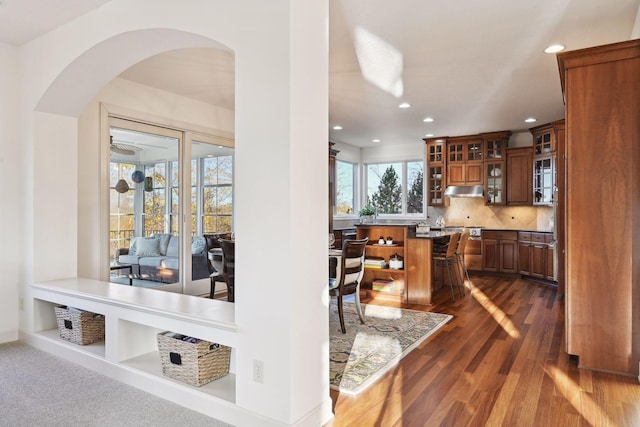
<point>150,244</point>
<point>145,231</point>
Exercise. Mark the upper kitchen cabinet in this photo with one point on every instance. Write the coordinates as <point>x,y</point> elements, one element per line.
<point>494,182</point>
<point>602,236</point>
<point>544,180</point>
<point>436,171</point>
<point>495,146</point>
<point>519,176</point>
<point>545,138</point>
<point>465,160</point>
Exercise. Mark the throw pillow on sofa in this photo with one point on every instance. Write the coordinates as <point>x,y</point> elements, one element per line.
<point>149,246</point>
<point>198,244</point>
<point>164,242</point>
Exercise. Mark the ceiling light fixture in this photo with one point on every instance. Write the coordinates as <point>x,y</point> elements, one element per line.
<point>337,127</point>
<point>376,140</point>
<point>429,135</point>
<point>428,119</point>
<point>404,105</point>
<point>554,48</point>
<point>530,119</point>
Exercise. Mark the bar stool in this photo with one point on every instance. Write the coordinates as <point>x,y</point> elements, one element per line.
<point>449,259</point>
<point>460,256</point>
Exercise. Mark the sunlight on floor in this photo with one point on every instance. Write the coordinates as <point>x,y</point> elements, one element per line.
<point>498,315</point>
<point>580,400</point>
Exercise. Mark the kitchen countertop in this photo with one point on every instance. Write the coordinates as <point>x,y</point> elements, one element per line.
<point>413,224</point>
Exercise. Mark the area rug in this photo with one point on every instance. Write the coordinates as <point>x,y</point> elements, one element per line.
<point>366,352</point>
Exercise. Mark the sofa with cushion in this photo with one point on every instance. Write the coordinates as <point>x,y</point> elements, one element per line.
<point>156,257</point>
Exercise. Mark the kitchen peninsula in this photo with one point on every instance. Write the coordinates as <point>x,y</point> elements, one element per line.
<point>413,282</point>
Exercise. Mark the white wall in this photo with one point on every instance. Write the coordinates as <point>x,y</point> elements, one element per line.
<point>11,196</point>
<point>281,134</point>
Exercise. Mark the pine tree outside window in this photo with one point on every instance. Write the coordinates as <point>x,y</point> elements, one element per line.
<point>396,189</point>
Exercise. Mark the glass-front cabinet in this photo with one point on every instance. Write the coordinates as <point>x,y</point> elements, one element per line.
<point>436,185</point>
<point>543,142</point>
<point>435,151</point>
<point>495,145</point>
<point>543,180</point>
<point>436,171</point>
<point>494,183</point>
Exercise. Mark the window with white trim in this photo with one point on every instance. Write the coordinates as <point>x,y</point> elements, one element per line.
<point>395,188</point>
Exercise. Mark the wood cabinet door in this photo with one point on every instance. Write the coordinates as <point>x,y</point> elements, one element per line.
<point>538,258</point>
<point>509,256</point>
<point>549,263</point>
<point>490,255</point>
<point>519,177</point>
<point>524,258</point>
<point>455,174</point>
<point>474,174</point>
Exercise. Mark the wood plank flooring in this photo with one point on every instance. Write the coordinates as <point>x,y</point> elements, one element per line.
<point>500,362</point>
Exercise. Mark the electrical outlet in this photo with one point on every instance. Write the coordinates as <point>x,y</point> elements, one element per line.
<point>258,371</point>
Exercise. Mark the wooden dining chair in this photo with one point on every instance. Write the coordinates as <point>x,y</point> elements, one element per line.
<point>351,272</point>
<point>228,266</point>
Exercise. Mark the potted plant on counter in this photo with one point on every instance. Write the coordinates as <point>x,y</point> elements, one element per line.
<point>367,213</point>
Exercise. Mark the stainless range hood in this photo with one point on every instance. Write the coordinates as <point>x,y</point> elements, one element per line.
<point>464,191</point>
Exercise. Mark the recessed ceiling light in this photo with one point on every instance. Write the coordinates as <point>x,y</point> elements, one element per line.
<point>530,119</point>
<point>554,48</point>
<point>428,119</point>
<point>429,135</point>
<point>376,140</point>
<point>337,127</point>
<point>404,105</point>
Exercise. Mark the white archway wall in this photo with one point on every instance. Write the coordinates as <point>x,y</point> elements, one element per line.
<point>281,137</point>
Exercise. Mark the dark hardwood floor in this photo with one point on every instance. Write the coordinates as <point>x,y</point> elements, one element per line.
<point>500,362</point>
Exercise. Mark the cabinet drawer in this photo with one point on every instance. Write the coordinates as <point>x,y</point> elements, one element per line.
<point>500,235</point>
<point>537,237</point>
<point>548,237</point>
<point>524,236</point>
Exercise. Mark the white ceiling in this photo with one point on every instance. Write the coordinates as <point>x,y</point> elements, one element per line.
<point>474,66</point>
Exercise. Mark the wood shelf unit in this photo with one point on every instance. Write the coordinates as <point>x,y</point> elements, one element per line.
<point>398,276</point>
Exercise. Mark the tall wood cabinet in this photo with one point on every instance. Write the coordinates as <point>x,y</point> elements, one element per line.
<point>601,88</point>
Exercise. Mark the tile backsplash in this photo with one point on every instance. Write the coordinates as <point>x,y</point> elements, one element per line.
<point>473,212</point>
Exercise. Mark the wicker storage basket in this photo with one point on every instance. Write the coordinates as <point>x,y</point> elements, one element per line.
<point>78,326</point>
<point>192,360</point>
